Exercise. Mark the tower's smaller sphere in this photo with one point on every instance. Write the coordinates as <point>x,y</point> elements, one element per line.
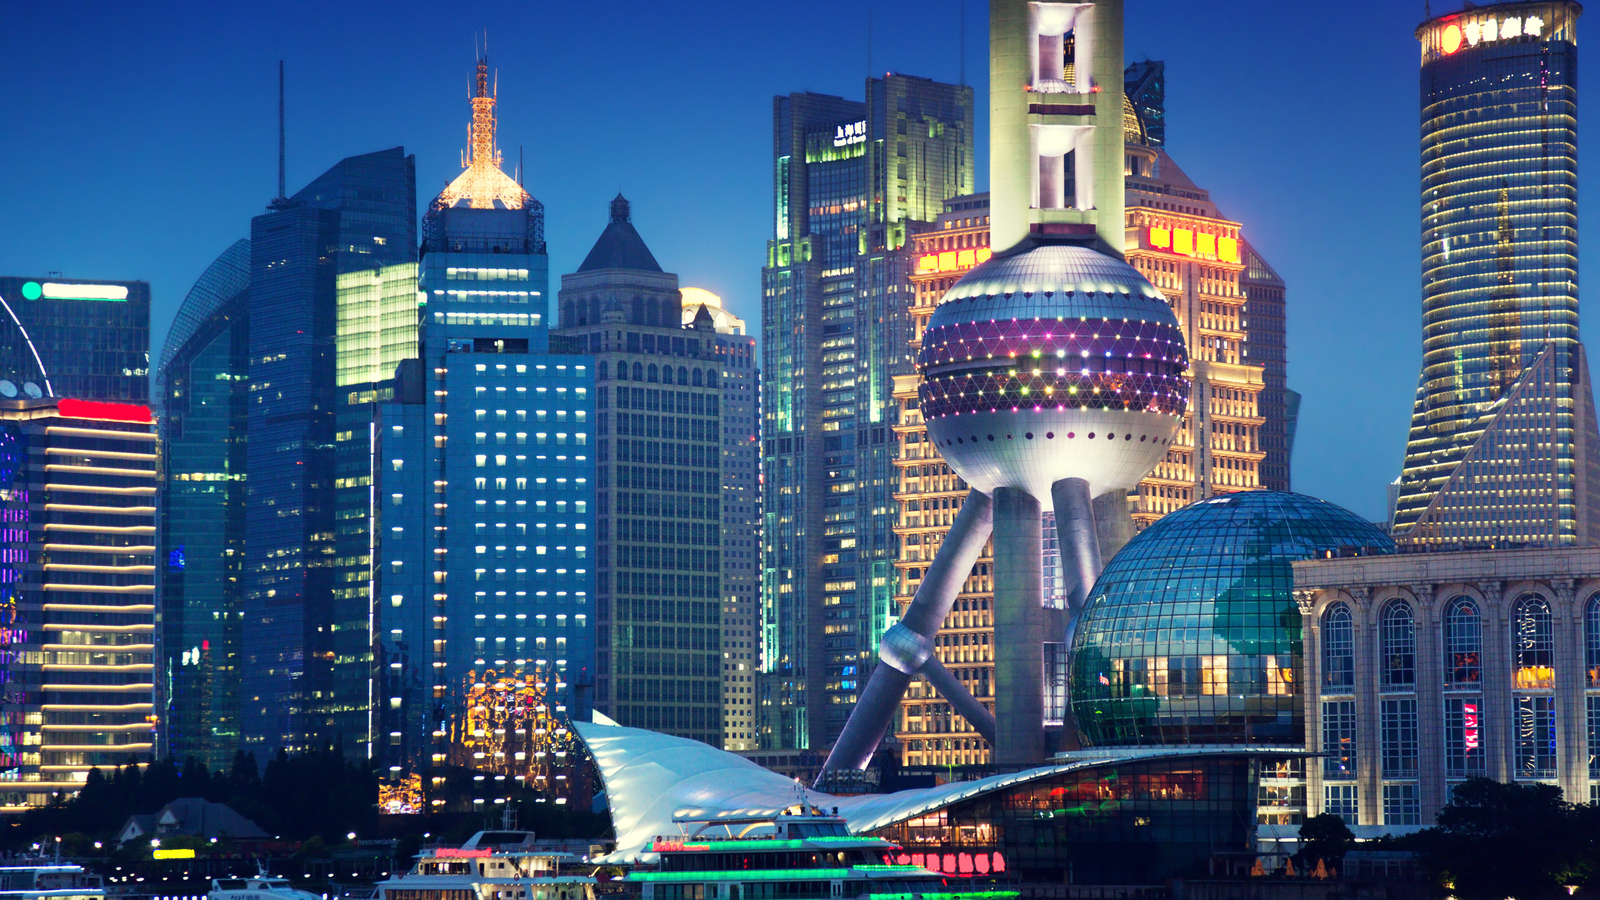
<point>1049,363</point>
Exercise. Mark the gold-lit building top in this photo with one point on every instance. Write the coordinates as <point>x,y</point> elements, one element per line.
<point>483,185</point>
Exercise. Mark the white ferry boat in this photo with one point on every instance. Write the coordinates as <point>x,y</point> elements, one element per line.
<point>798,855</point>
<point>260,887</point>
<point>53,880</point>
<point>493,865</point>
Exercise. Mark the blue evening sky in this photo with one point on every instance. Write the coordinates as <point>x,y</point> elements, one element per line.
<point>137,140</point>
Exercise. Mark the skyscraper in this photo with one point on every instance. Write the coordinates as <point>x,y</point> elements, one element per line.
<point>75,338</point>
<point>659,513</point>
<point>485,471</point>
<point>850,181</point>
<point>202,389</point>
<point>359,214</point>
<point>741,513</point>
<point>1503,447</point>
<point>77,586</point>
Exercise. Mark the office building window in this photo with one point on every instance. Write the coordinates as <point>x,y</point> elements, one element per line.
<point>1340,800</point>
<point>1534,734</point>
<point>1398,730</point>
<point>1591,640</point>
<point>1463,645</point>
<point>1593,711</point>
<point>1401,805</point>
<point>1533,644</point>
<point>1338,649</point>
<point>1338,739</point>
<point>1399,636</point>
<point>1463,737</point>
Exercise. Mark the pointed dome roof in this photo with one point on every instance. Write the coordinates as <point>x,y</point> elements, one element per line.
<point>620,246</point>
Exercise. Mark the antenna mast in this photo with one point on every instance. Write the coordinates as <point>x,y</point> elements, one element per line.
<point>281,201</point>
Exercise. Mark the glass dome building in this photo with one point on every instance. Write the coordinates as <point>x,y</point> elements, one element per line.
<point>1191,634</point>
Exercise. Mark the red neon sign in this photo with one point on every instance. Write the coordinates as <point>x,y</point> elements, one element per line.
<point>93,409</point>
<point>451,852</point>
<point>669,846</point>
<point>1469,725</point>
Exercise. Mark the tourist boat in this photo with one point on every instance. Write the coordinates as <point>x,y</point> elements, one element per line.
<point>259,887</point>
<point>493,865</point>
<point>50,881</point>
<point>798,855</point>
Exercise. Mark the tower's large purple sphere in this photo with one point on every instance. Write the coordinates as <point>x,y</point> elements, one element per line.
<point>1049,363</point>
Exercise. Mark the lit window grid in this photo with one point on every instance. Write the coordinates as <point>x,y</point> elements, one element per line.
<point>1533,737</point>
<point>1398,737</point>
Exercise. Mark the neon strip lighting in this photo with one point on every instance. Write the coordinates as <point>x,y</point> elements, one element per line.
<point>55,291</point>
<point>750,875</point>
<point>78,647</point>
<point>100,470</point>
<point>97,548</point>
<point>101,529</point>
<point>99,627</point>
<point>94,409</point>
<point>101,707</point>
<point>90,607</point>
<point>97,687</point>
<point>99,432</point>
<point>86,667</point>
<point>66,567</point>
<point>31,349</point>
<point>102,454</point>
<point>96,489</point>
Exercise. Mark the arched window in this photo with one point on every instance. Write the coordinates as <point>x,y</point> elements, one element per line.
<point>1463,645</point>
<point>1591,640</point>
<point>1398,634</point>
<point>651,374</point>
<point>601,374</point>
<point>638,371</point>
<point>1338,649</point>
<point>698,378</point>
<point>683,375</point>
<point>1533,649</point>
<point>711,378</point>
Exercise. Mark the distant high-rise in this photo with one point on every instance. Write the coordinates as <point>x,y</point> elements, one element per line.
<point>741,512</point>
<point>202,390</point>
<point>75,338</point>
<point>851,181</point>
<point>659,516</point>
<point>358,215</point>
<point>77,584</point>
<point>1503,448</point>
<point>486,563</point>
<point>1145,88</point>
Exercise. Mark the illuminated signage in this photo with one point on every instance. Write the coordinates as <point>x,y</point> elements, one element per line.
<point>1469,725</point>
<point>33,290</point>
<point>451,852</point>
<point>670,846</point>
<point>1488,30</point>
<point>850,133</point>
<point>172,854</point>
<point>93,409</point>
<point>1187,242</point>
<point>952,260</point>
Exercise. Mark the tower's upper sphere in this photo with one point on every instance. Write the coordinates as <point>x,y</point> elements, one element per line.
<point>1049,363</point>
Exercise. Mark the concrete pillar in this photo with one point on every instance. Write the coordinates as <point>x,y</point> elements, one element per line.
<point>1012,58</point>
<point>1495,719</point>
<point>1310,603</point>
<point>1369,774</point>
<point>1079,539</point>
<point>1018,621</point>
<point>1430,701</point>
<point>1572,727</point>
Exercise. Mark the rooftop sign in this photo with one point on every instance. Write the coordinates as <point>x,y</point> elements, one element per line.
<point>50,290</point>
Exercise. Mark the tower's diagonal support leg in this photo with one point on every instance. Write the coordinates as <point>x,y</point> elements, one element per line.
<point>952,690</point>
<point>909,644</point>
<point>1079,539</point>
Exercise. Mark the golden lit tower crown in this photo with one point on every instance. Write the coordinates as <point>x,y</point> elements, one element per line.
<point>483,184</point>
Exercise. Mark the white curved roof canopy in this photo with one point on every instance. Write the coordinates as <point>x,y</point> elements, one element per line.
<point>651,777</point>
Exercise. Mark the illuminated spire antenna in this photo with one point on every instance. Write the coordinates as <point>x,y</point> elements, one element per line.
<point>483,184</point>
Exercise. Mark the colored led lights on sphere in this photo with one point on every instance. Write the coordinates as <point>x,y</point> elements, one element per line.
<point>1050,363</point>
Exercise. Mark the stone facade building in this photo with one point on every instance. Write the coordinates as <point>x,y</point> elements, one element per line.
<point>1424,670</point>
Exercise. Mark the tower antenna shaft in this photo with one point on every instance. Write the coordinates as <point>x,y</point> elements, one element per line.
<point>281,185</point>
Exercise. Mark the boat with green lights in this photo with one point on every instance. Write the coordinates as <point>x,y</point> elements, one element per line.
<point>794,855</point>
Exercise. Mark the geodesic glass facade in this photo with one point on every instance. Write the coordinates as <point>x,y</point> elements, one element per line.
<point>1191,634</point>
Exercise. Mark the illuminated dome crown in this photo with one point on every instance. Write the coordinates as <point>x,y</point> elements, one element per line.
<point>1053,362</point>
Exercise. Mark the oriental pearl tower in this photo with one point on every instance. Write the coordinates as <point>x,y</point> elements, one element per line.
<point>1051,374</point>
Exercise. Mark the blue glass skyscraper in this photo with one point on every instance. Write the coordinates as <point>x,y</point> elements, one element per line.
<point>359,214</point>
<point>485,478</point>
<point>202,392</point>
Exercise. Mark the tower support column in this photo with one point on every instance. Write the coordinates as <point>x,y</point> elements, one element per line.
<point>1019,622</point>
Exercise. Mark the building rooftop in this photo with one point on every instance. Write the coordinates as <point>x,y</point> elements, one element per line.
<point>620,246</point>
